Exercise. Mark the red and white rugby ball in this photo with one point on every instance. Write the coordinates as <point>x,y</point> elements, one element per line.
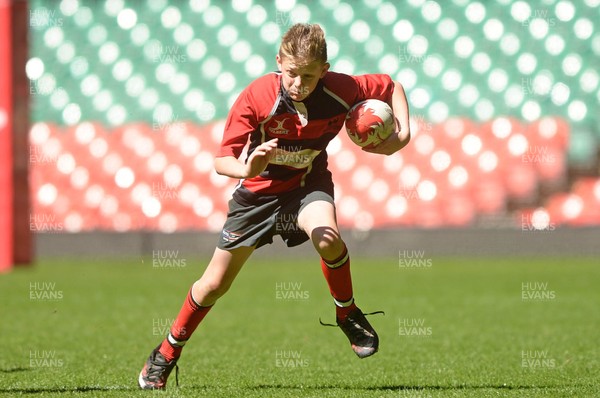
<point>370,122</point>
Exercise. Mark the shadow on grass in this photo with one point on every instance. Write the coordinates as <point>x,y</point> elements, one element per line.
<point>404,387</point>
<point>43,390</point>
<point>14,370</point>
<point>265,387</point>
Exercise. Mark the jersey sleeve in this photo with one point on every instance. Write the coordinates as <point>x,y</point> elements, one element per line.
<point>241,121</point>
<point>375,86</point>
<point>353,89</point>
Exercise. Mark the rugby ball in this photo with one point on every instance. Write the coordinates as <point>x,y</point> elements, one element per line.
<point>369,122</point>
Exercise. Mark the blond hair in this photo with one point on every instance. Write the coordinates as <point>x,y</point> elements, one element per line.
<point>304,43</point>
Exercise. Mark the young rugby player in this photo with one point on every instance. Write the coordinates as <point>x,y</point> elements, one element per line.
<point>288,117</point>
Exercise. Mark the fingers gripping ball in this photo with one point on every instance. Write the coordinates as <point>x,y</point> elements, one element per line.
<point>370,122</point>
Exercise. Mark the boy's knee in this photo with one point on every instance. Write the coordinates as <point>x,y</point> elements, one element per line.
<point>211,290</point>
<point>328,243</point>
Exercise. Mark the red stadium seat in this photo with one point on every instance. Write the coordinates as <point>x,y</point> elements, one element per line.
<point>427,214</point>
<point>550,163</point>
<point>458,210</point>
<point>588,189</point>
<point>549,131</point>
<point>520,181</point>
<point>489,196</point>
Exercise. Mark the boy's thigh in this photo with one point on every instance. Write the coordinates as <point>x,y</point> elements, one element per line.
<point>318,213</point>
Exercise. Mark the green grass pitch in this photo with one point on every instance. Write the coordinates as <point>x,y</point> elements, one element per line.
<point>472,327</point>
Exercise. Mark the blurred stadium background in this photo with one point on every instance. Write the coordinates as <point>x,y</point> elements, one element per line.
<point>126,102</point>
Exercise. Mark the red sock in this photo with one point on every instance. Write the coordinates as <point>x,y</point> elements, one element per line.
<point>188,319</point>
<point>337,275</point>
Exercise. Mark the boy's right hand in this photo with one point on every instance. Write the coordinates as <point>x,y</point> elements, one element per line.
<point>259,159</point>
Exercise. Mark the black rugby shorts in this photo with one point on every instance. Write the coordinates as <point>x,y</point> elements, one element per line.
<point>255,224</point>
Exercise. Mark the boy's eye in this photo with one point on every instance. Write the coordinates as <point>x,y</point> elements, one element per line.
<point>304,77</point>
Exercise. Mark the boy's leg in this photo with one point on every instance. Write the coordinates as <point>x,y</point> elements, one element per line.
<point>215,281</point>
<point>318,220</point>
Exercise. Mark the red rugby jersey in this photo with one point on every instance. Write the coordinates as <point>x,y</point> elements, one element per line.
<point>264,111</point>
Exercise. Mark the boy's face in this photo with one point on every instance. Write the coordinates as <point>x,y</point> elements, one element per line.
<point>300,81</point>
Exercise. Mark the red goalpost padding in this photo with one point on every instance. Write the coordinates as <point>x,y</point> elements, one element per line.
<point>6,166</point>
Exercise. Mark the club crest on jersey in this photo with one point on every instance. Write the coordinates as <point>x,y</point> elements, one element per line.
<point>279,129</point>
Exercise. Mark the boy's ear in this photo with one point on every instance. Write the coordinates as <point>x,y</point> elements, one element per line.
<point>326,66</point>
<point>278,59</point>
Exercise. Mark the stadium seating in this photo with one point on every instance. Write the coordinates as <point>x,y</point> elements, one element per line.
<point>128,98</point>
<point>136,177</point>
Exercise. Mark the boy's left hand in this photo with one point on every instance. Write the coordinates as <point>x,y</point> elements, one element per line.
<point>393,143</point>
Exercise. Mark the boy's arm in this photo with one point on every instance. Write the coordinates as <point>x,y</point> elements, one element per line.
<point>401,137</point>
<point>232,167</point>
